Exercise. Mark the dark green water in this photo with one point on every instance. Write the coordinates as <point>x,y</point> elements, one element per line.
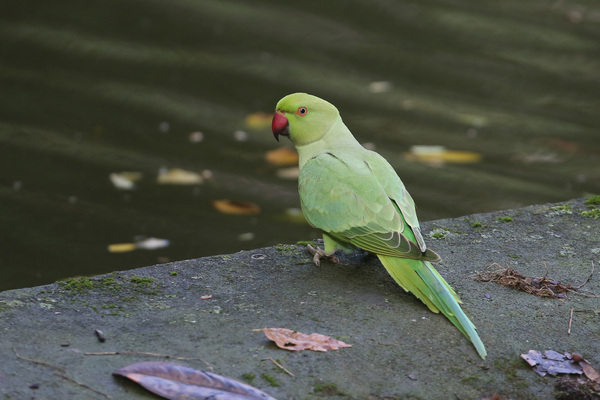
<point>92,88</point>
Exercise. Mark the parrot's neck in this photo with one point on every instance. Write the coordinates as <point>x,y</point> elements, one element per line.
<point>339,138</point>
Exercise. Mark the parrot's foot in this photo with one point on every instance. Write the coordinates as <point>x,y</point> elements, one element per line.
<point>319,253</point>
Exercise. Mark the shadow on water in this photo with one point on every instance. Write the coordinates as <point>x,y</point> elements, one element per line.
<point>88,89</point>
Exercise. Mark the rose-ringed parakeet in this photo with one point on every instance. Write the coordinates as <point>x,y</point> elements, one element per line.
<point>356,198</point>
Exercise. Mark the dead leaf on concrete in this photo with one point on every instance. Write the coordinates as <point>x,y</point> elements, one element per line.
<point>173,381</point>
<point>297,341</point>
<point>551,362</point>
<point>589,371</point>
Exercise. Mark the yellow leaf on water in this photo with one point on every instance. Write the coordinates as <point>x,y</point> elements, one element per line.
<point>258,120</point>
<point>121,247</point>
<point>438,155</point>
<point>177,176</point>
<point>282,156</point>
<point>236,207</point>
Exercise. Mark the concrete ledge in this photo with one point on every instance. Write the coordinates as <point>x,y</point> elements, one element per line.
<point>400,349</point>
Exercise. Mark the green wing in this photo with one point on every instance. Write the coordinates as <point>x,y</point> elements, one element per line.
<point>358,198</point>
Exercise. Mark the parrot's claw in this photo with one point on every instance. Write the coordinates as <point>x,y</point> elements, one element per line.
<point>319,253</point>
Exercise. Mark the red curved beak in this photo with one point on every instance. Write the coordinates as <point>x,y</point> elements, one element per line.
<point>280,125</point>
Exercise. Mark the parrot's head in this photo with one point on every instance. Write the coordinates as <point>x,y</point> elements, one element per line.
<point>303,118</point>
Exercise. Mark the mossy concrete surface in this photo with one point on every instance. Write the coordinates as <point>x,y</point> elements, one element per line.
<point>205,310</point>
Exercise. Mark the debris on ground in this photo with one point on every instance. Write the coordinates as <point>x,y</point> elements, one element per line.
<point>540,286</point>
<point>569,386</point>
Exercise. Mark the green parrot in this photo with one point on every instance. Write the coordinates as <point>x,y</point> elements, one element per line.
<point>356,198</point>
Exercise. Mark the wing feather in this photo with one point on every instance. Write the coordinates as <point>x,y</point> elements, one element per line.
<point>355,201</point>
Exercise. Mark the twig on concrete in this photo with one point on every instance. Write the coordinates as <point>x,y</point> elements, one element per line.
<point>588,278</point>
<point>83,385</point>
<point>570,322</point>
<point>37,361</point>
<point>60,372</point>
<point>279,365</point>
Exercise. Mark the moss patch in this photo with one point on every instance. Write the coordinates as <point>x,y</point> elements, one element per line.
<point>595,213</point>
<point>328,389</point>
<point>593,201</point>
<point>269,378</point>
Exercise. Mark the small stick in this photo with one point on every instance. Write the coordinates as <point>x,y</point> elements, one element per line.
<point>279,365</point>
<point>588,278</point>
<point>60,373</point>
<point>37,361</point>
<point>570,322</point>
<point>83,385</point>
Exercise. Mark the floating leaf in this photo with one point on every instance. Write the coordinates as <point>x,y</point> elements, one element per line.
<point>439,155</point>
<point>258,120</point>
<point>236,207</point>
<point>125,180</point>
<point>173,381</point>
<point>380,86</point>
<point>121,247</point>
<point>152,243</point>
<point>293,215</point>
<point>282,156</point>
<point>244,237</point>
<point>288,173</point>
<point>297,341</point>
<point>146,244</point>
<point>177,176</point>
<point>196,137</point>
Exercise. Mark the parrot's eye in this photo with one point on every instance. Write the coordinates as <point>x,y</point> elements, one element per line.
<point>302,111</point>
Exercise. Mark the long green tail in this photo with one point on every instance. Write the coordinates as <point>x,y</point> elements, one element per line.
<point>421,279</point>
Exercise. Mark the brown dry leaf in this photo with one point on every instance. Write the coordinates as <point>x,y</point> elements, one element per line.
<point>258,120</point>
<point>283,156</point>
<point>173,381</point>
<point>236,207</point>
<point>297,341</point>
<point>589,371</point>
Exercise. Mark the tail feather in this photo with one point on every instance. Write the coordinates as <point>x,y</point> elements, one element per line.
<point>421,279</point>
